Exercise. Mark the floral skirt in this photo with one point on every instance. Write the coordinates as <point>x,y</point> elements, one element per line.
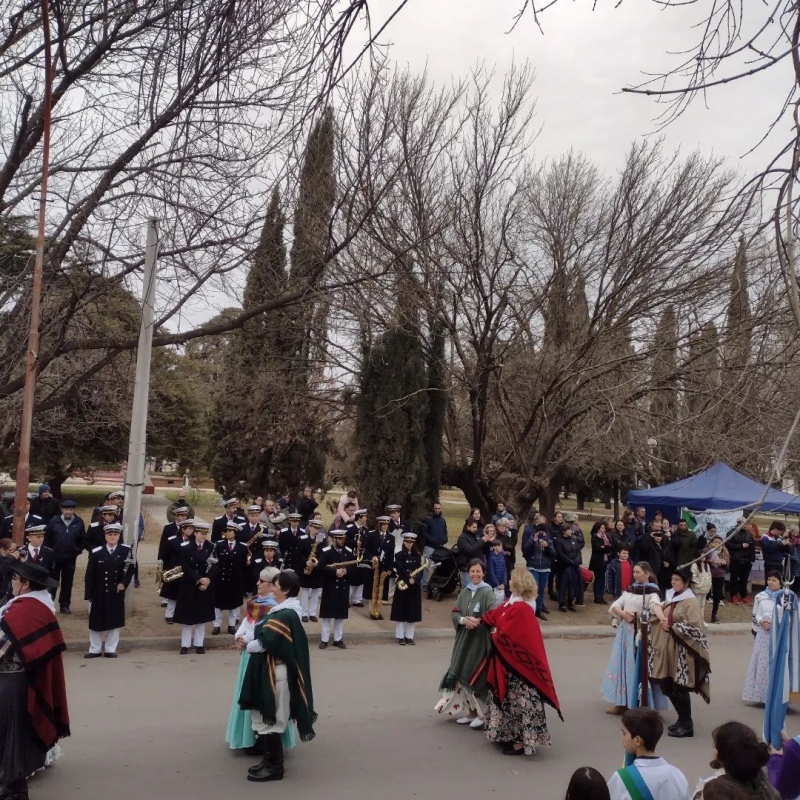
<point>519,718</point>
<point>461,702</point>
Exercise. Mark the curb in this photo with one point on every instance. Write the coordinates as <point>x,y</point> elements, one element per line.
<point>225,642</point>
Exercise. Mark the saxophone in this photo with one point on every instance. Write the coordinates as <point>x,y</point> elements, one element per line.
<point>312,556</point>
<point>379,578</point>
<point>401,585</point>
<point>251,541</point>
<point>174,574</point>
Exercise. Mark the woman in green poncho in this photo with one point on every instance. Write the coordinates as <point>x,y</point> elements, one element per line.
<point>464,689</point>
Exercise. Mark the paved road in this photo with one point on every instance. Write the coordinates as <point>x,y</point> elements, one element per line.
<point>151,724</point>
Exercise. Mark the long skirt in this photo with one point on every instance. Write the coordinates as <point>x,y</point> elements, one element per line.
<point>20,757</point>
<point>240,732</point>
<point>621,682</point>
<point>519,718</point>
<point>757,678</point>
<point>461,702</point>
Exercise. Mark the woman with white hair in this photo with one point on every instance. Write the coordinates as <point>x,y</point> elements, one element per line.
<point>240,734</point>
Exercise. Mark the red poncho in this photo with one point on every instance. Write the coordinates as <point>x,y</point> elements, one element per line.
<point>517,645</point>
<point>36,637</point>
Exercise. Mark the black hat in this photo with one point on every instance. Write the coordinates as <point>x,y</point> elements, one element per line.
<point>31,571</point>
<point>683,573</point>
<point>68,504</point>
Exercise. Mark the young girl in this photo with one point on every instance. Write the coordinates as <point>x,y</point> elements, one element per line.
<point>718,559</point>
<point>764,616</point>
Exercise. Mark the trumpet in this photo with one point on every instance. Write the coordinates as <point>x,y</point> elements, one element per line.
<point>401,585</point>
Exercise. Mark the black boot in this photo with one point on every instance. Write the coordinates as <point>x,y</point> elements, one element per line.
<point>273,769</point>
<point>261,743</point>
<point>257,749</point>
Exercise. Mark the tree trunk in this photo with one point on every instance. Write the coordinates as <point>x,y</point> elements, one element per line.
<point>615,492</point>
<point>548,499</point>
<point>55,482</point>
<point>580,499</point>
<point>476,490</point>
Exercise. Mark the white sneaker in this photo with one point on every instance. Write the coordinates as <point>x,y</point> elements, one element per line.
<point>614,622</point>
<point>477,723</point>
<point>463,720</point>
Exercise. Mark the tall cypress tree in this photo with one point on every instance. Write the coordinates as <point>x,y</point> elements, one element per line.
<point>437,410</point>
<point>739,321</point>
<point>664,397</point>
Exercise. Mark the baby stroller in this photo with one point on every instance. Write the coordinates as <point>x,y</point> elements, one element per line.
<point>445,578</point>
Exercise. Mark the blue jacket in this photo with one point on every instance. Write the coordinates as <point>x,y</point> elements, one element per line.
<point>774,551</point>
<point>65,542</point>
<point>614,577</point>
<point>434,531</point>
<point>536,557</point>
<point>496,573</point>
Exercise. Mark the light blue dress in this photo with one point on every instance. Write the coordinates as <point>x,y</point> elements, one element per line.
<point>621,684</point>
<point>240,734</point>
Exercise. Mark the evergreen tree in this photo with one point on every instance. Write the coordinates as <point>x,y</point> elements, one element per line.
<point>437,410</point>
<point>739,321</point>
<point>664,398</point>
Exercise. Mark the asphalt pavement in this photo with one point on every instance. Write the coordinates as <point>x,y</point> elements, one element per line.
<point>152,724</point>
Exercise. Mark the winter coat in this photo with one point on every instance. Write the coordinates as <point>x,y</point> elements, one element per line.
<point>568,551</point>
<point>469,547</point>
<point>742,555</point>
<point>536,557</point>
<point>496,572</point>
<point>601,553</point>
<point>434,531</point>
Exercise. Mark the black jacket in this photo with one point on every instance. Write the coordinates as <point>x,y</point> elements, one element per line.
<point>740,554</point>
<point>46,509</point>
<point>469,547</point>
<point>568,551</point>
<point>104,572</point>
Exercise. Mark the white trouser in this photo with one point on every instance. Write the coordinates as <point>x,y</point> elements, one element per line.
<point>309,602</point>
<point>356,594</point>
<point>168,614</point>
<point>282,701</point>
<point>111,639</point>
<point>233,617</point>
<point>193,635</point>
<point>338,629</point>
<point>404,630</point>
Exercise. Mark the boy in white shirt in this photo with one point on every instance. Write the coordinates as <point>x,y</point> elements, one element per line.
<point>650,777</point>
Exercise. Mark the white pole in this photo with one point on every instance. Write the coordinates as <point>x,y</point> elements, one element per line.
<point>134,475</point>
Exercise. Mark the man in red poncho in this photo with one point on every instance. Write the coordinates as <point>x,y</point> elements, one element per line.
<point>33,697</point>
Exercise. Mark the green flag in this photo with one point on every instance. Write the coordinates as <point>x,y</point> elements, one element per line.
<point>688,518</point>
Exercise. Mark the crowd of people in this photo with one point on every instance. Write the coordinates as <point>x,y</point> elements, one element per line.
<point>261,572</point>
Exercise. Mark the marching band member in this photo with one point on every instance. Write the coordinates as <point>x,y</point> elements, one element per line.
<point>295,545</point>
<point>380,545</point>
<point>109,572</point>
<point>253,530</point>
<point>170,557</point>
<point>232,514</point>
<point>356,540</point>
<point>269,556</point>
<point>396,528</point>
<point>311,582</point>
<point>37,552</point>
<point>94,535</point>
<point>231,578</point>
<point>195,604</point>
<point>172,529</point>
<point>335,590</point>
<point>407,603</point>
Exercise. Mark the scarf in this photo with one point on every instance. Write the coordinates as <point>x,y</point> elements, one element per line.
<point>283,638</point>
<point>292,603</point>
<point>473,587</point>
<point>29,623</point>
<point>518,648</point>
<point>258,607</point>
<point>686,594</point>
<point>773,594</point>
<point>643,588</point>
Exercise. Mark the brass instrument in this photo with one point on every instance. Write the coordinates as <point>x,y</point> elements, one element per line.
<point>174,574</point>
<point>312,557</point>
<point>159,574</point>
<point>401,585</point>
<point>250,542</point>
<point>379,578</point>
<point>343,564</point>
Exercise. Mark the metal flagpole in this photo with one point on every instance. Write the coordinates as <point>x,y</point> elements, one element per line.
<point>134,475</point>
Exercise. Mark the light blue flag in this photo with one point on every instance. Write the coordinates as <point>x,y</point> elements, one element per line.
<point>784,670</point>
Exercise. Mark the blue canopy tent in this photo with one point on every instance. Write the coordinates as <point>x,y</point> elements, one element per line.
<point>719,488</point>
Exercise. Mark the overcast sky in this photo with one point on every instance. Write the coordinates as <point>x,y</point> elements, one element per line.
<point>582,60</point>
